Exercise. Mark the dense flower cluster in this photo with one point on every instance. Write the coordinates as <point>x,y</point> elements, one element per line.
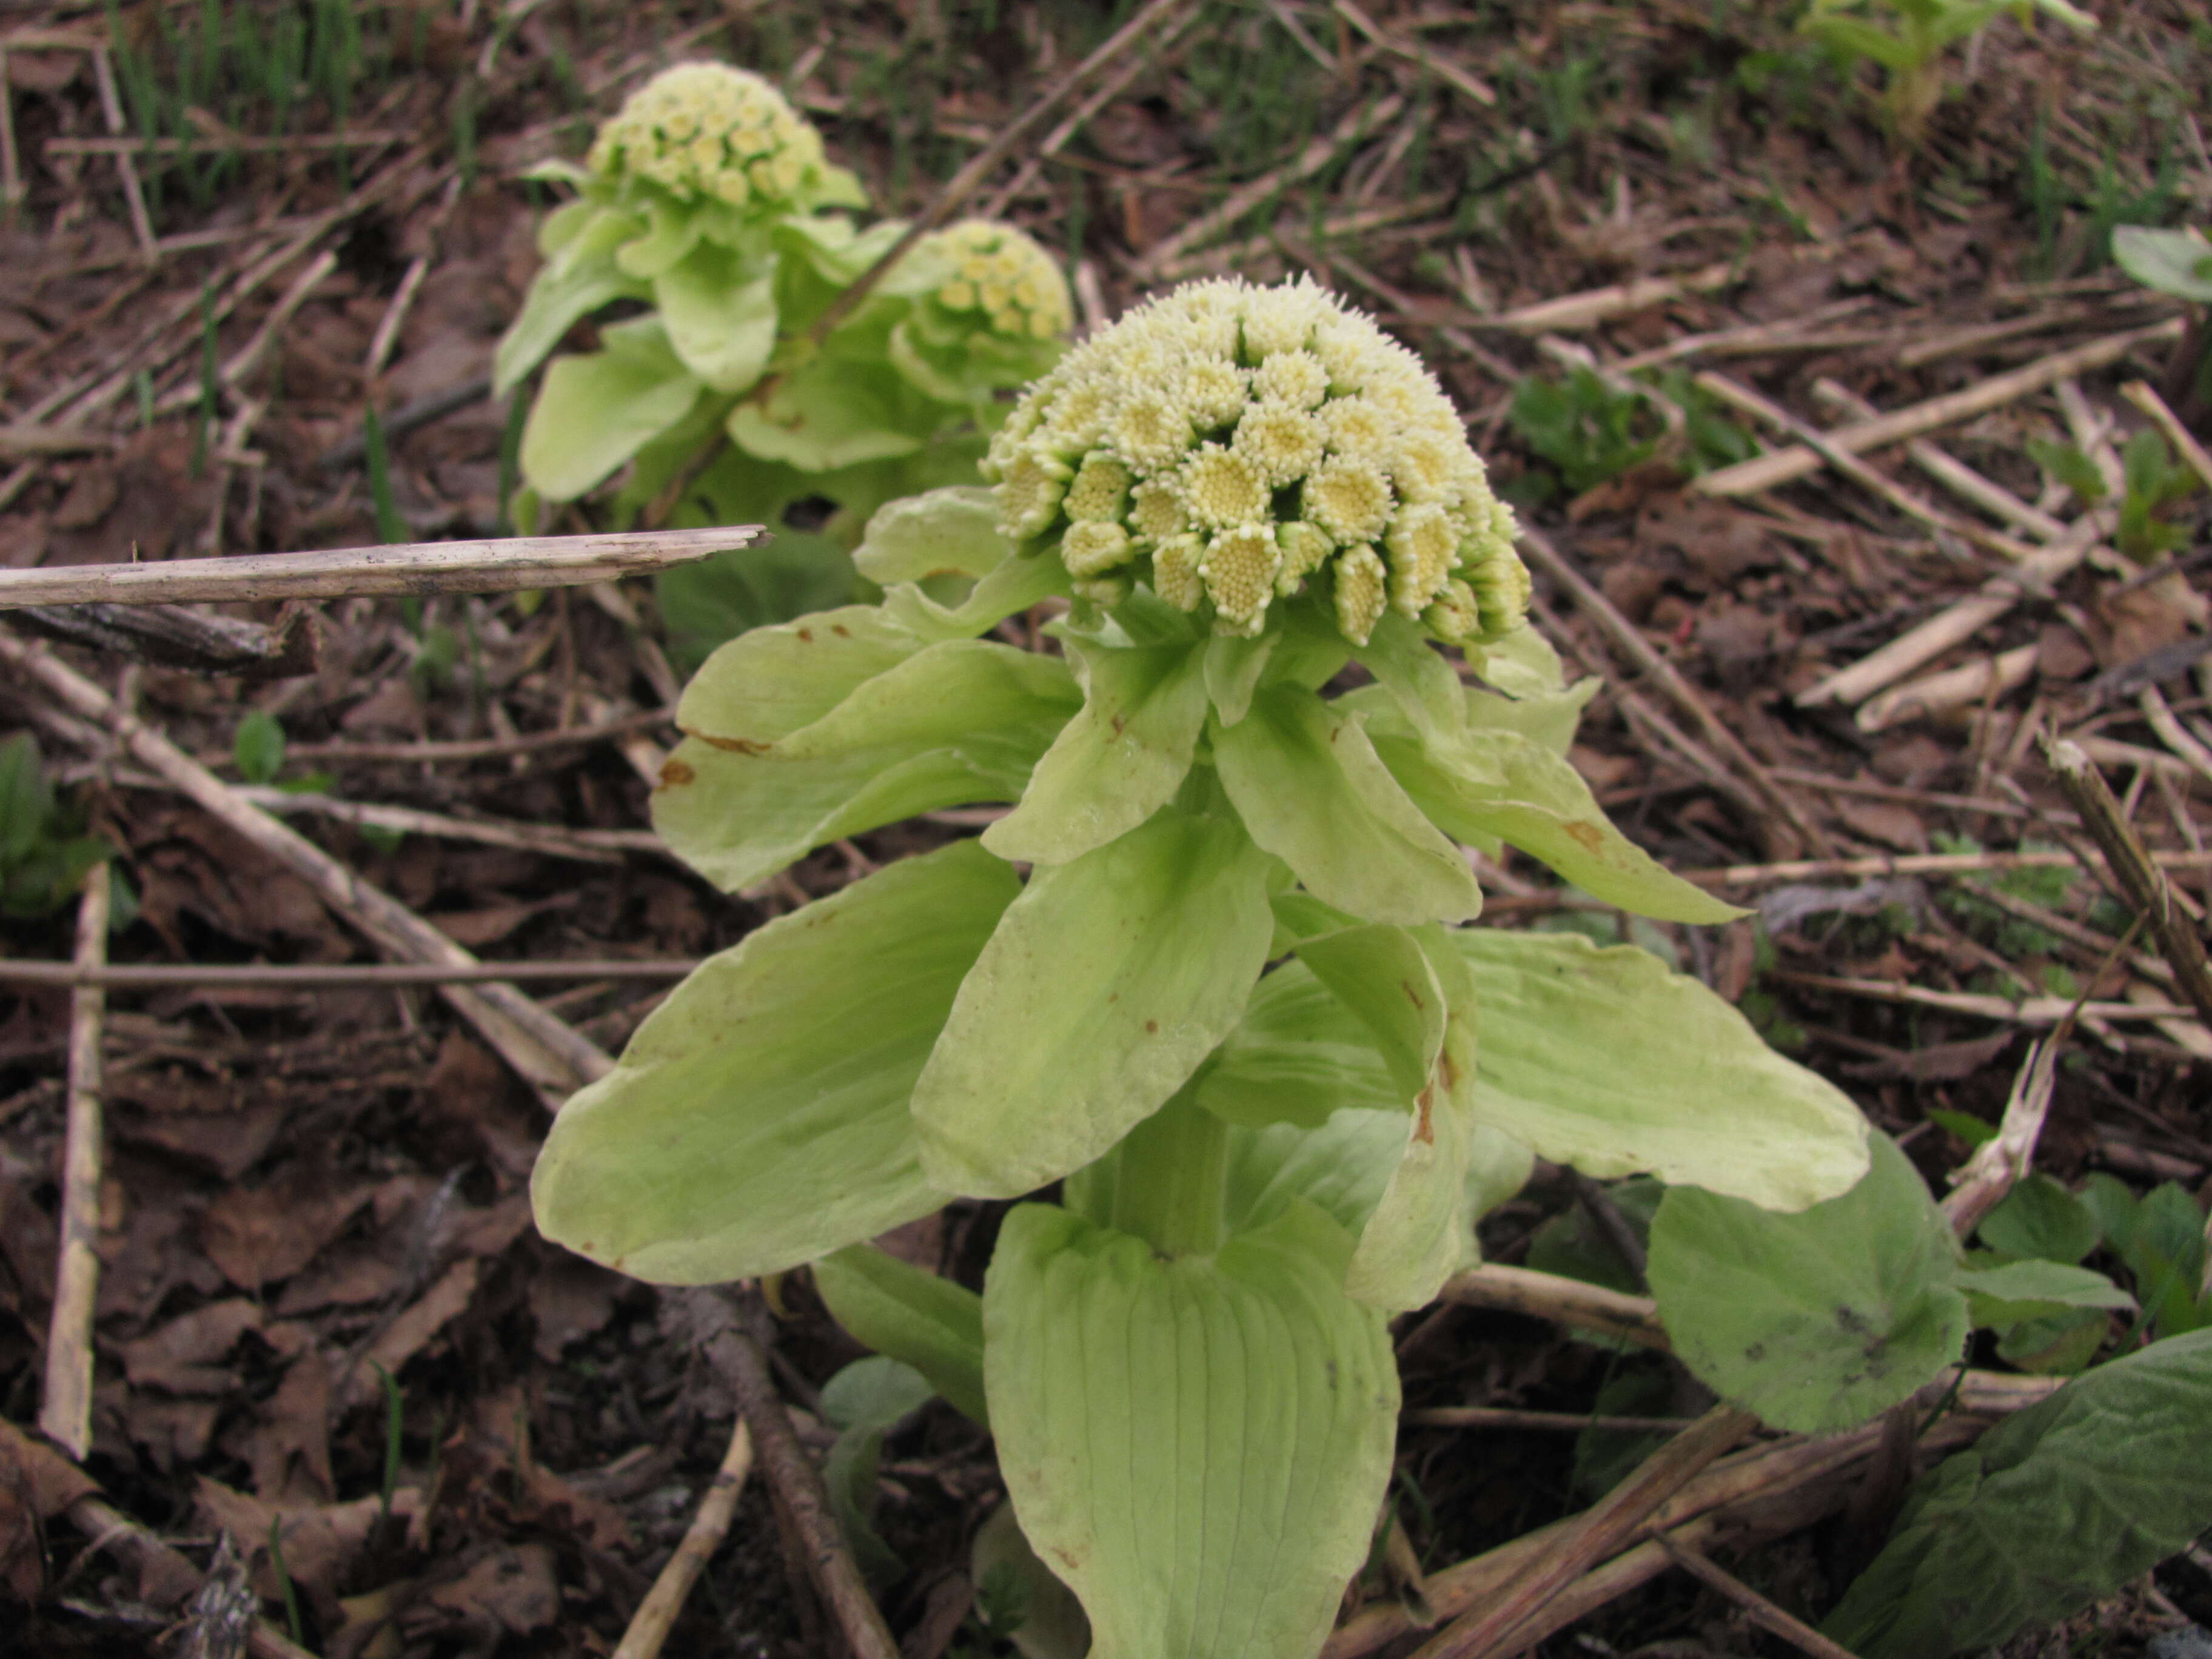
<point>707,131</point>
<point>1002,277</point>
<point>1235,445</point>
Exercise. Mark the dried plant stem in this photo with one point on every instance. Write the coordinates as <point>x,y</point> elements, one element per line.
<point>2145,398</point>
<point>1960,622</point>
<point>418,568</point>
<point>1595,1534</point>
<point>586,846</point>
<point>1798,461</point>
<point>1968,684</point>
<point>2031,1011</point>
<point>1363,119</point>
<point>1792,1630</point>
<point>1564,1301</point>
<point>548,1054</point>
<point>650,1627</point>
<point>1629,639</point>
<point>111,110</point>
<point>65,1412</point>
<point>1919,864</point>
<point>331,976</point>
<point>979,166</point>
<point>2141,881</point>
<point>1500,1416</point>
<point>1989,1175</point>
<point>106,1528</point>
<point>736,1354</point>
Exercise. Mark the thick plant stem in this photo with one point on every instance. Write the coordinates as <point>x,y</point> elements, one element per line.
<point>1169,1186</point>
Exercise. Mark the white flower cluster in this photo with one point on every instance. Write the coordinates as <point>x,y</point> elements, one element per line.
<point>999,272</point>
<point>708,131</point>
<point>1234,444</point>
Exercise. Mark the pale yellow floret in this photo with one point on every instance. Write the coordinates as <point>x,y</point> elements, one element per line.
<point>1356,429</point>
<point>1304,547</point>
<point>958,294</point>
<point>1349,499</point>
<point>708,130</point>
<point>1283,443</point>
<point>1156,510</point>
<point>1149,429</point>
<point>1214,392</point>
<point>1362,593</point>
<point>1281,319</point>
<point>1106,592</point>
<point>1501,589</point>
<point>1295,378</point>
<point>1424,468</point>
<point>1456,615</point>
<point>1031,484</point>
<point>1175,571</point>
<point>1221,488</point>
<point>1239,569</point>
<point>1077,418</point>
<point>1092,547</point>
<point>1422,547</point>
<point>1100,490</point>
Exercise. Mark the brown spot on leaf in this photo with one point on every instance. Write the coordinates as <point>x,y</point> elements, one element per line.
<point>1152,1028</point>
<point>1424,1127</point>
<point>807,635</point>
<point>675,772</point>
<point>1411,995</point>
<point>840,630</point>
<point>1591,837</point>
<point>736,745</point>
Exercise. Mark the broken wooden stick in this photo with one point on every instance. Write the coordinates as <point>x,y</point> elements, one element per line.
<point>65,1412</point>
<point>418,568</point>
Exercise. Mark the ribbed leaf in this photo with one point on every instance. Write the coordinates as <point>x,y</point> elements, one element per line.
<point>1198,1446</point>
<point>1109,980</point>
<point>758,1119</point>
<point>595,411</point>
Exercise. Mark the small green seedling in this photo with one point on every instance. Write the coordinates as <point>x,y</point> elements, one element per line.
<point>43,854</point>
<point>1910,39</point>
<point>1232,1008</point>
<point>2177,262</point>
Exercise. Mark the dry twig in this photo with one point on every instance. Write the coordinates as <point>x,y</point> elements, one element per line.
<point>65,1413</point>
<point>1792,1630</point>
<point>656,1614</point>
<point>548,1054</point>
<point>331,976</point>
<point>402,568</point>
<point>2141,882</point>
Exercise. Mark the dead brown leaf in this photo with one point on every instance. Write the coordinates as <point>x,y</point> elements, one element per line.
<point>410,1334</point>
<point>509,1589</point>
<point>260,1234</point>
<point>36,1484</point>
<point>570,1299</point>
<point>184,1355</point>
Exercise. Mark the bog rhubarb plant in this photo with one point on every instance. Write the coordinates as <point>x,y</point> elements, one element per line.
<point>1203,998</point>
<point>708,201</point>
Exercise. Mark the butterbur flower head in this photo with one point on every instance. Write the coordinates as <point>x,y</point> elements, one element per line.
<point>706,131</point>
<point>1000,278</point>
<point>1258,444</point>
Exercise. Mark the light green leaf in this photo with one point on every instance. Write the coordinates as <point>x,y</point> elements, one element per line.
<point>1119,761</point>
<point>1819,1321</point>
<point>949,531</point>
<point>1427,695</point>
<point>706,603</point>
<point>1297,1055</point>
<point>674,230</point>
<point>2056,1506</point>
<point>1547,718</point>
<point>1521,664</point>
<point>928,1322</point>
<point>831,413</point>
<point>720,309</point>
<point>1198,1446</point>
<point>1233,667</point>
<point>596,411</point>
<point>2000,1297</point>
<point>2177,262</point>
<point>758,1119</point>
<point>580,277</point>
<point>863,1401</point>
<point>766,684</point>
<point>1605,1059</point>
<point>1018,1597</point>
<point>738,819</point>
<point>955,692</point>
<point>1109,980</point>
<point>1012,586</point>
<point>258,750</point>
<point>1496,782</point>
<point>1420,1233</point>
<point>1310,790</point>
<point>27,798</point>
<point>2039,1217</point>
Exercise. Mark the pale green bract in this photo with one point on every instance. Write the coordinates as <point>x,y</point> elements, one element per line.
<point>1184,1362</point>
